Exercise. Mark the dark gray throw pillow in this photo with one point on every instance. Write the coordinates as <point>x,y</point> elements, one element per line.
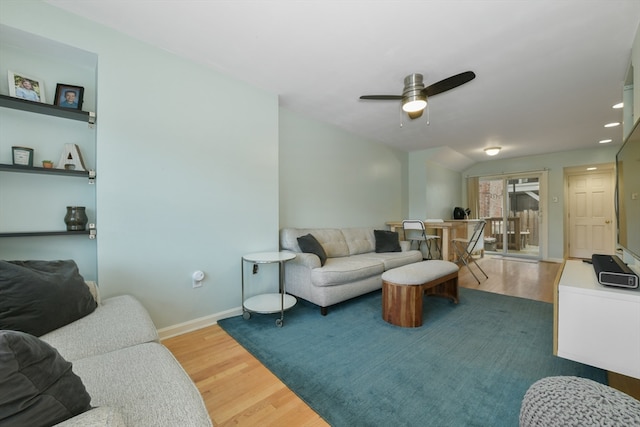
<point>37,297</point>
<point>387,241</point>
<point>310,245</point>
<point>37,386</point>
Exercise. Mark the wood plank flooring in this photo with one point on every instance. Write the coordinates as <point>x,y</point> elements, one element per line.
<point>239,391</point>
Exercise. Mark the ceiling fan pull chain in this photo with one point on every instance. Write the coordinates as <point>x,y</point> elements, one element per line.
<point>428,119</point>
<point>401,117</point>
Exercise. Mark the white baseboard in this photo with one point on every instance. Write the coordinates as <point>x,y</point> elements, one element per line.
<point>192,325</point>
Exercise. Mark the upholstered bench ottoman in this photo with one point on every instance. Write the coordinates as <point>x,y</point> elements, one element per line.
<point>404,287</point>
<point>567,401</point>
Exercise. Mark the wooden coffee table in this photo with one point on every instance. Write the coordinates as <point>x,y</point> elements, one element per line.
<point>403,289</point>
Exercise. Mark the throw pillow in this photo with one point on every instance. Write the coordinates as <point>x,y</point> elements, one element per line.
<point>387,241</point>
<point>310,245</point>
<point>37,297</point>
<point>37,386</point>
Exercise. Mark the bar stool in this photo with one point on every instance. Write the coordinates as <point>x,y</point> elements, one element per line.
<point>421,237</point>
<point>465,247</point>
<point>436,239</point>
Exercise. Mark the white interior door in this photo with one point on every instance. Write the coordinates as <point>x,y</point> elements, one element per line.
<point>591,219</point>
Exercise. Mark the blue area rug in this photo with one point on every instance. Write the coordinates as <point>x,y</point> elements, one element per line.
<point>468,365</point>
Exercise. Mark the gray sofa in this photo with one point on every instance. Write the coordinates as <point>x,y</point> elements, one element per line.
<point>131,378</point>
<point>353,267</point>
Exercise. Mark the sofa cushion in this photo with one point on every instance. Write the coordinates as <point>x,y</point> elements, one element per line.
<point>338,271</point>
<point>39,296</point>
<point>107,329</point>
<point>395,259</point>
<point>147,386</point>
<point>387,241</point>
<point>331,239</point>
<point>359,240</point>
<point>102,416</point>
<point>310,245</point>
<point>37,386</point>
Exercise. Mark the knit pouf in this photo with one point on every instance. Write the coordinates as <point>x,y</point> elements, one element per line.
<point>572,401</point>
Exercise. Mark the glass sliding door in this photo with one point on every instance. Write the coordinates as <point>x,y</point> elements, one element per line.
<point>511,207</point>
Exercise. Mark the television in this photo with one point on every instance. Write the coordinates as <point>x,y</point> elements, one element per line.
<point>628,193</point>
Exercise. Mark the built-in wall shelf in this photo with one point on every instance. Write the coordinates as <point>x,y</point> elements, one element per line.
<point>33,199</point>
<point>46,171</point>
<point>46,109</point>
<point>47,233</point>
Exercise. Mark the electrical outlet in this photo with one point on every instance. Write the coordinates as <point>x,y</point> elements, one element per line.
<point>255,268</point>
<point>197,278</point>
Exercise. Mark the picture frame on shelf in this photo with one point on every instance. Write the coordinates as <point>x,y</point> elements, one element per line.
<point>26,87</point>
<point>22,156</point>
<point>69,96</point>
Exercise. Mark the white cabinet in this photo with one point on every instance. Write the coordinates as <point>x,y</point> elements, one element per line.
<point>597,325</point>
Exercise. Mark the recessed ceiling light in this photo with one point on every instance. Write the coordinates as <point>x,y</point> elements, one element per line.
<point>612,125</point>
<point>605,141</point>
<point>619,105</point>
<point>492,151</point>
<point>592,168</point>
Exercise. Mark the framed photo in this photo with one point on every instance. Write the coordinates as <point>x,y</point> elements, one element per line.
<point>69,96</point>
<point>26,87</point>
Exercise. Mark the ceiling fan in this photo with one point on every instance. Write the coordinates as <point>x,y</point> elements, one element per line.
<point>414,95</point>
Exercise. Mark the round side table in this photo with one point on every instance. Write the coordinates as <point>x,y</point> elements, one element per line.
<point>270,302</point>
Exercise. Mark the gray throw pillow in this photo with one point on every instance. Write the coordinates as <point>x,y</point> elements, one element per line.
<point>309,244</point>
<point>37,386</point>
<point>37,297</point>
<point>387,241</point>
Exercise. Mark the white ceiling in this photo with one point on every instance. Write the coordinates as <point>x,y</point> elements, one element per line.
<point>548,71</point>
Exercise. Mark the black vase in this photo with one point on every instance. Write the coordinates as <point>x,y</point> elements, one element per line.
<point>76,218</point>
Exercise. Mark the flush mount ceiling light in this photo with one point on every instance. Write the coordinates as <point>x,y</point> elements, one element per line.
<point>492,151</point>
<point>413,97</point>
<point>612,125</point>
<point>605,141</point>
<point>618,105</point>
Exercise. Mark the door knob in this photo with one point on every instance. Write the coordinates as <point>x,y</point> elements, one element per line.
<point>607,222</point>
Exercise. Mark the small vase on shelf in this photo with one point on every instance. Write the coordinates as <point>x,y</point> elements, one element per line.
<point>76,218</point>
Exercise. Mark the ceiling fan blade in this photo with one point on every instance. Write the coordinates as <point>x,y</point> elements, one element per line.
<point>382,97</point>
<point>449,83</point>
<point>415,114</point>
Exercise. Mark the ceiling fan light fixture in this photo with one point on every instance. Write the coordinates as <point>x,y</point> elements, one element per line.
<point>492,151</point>
<point>413,105</point>
<point>413,97</point>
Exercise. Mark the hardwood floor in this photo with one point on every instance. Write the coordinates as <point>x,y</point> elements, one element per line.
<point>239,391</point>
<point>523,278</point>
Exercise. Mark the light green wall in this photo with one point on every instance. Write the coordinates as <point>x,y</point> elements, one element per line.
<point>330,178</point>
<point>187,164</point>
<point>434,185</point>
<point>555,164</point>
